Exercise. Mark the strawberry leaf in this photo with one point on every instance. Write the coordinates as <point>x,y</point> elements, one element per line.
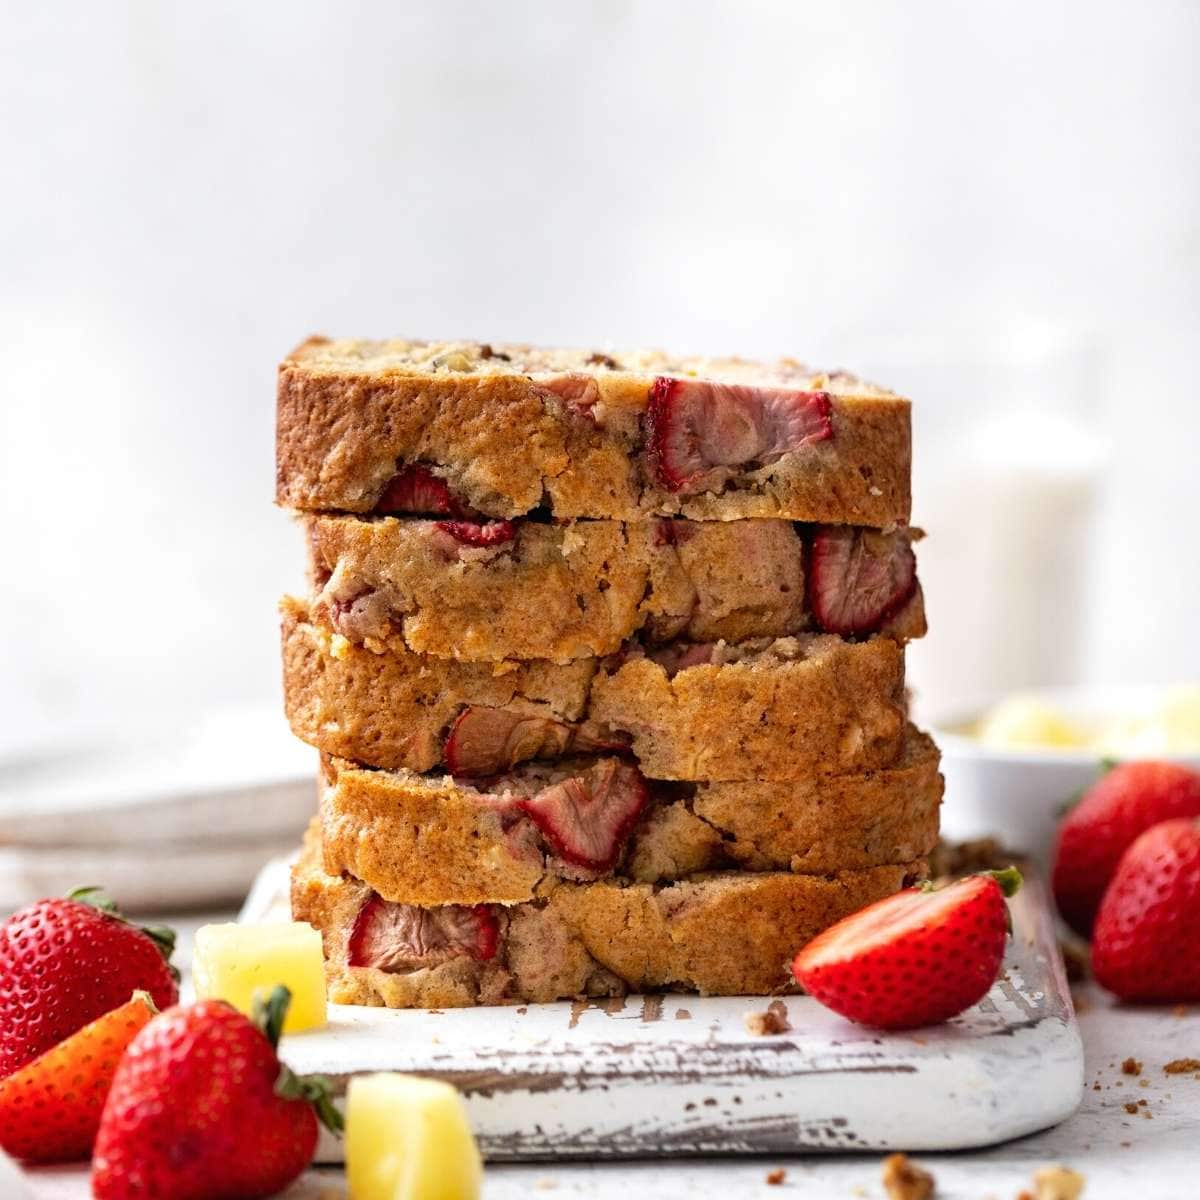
<point>312,1089</point>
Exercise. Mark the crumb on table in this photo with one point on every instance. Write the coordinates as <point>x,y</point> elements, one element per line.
<point>774,1020</point>
<point>1131,1066</point>
<point>904,1180</point>
<point>1182,1066</point>
<point>1057,1183</point>
<point>776,1177</point>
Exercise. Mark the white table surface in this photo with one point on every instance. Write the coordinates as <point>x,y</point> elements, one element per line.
<point>1154,1157</point>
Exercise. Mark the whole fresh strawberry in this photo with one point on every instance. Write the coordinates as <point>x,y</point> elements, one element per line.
<point>1146,942</point>
<point>1118,807</point>
<point>63,963</point>
<point>915,958</point>
<point>50,1108</point>
<point>202,1109</point>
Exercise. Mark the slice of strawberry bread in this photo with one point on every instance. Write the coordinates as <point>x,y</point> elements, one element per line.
<point>769,709</point>
<point>464,428</point>
<point>434,839</point>
<point>524,589</point>
<point>721,934</point>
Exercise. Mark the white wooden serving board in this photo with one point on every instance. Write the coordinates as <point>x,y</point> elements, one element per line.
<point>680,1075</point>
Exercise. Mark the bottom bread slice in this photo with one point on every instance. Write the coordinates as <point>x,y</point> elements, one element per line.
<point>721,934</point>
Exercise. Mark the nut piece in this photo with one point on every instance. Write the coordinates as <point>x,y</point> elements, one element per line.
<point>1057,1183</point>
<point>1182,1066</point>
<point>774,1020</point>
<point>904,1180</point>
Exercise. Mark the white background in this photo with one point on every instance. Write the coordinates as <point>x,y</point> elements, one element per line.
<point>986,204</point>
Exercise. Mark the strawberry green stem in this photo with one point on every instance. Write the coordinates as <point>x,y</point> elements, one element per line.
<point>1009,880</point>
<point>269,1014</point>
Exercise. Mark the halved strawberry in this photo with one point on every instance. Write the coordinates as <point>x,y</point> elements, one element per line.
<point>403,937</point>
<point>50,1108</point>
<point>696,430</point>
<point>489,741</point>
<point>1146,943</point>
<point>416,489</point>
<point>915,958</point>
<point>587,818</point>
<point>478,533</point>
<point>1120,805</point>
<point>858,578</point>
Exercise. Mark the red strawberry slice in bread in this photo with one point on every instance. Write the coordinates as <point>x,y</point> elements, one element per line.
<point>587,818</point>
<point>489,741</point>
<point>479,533</point>
<point>858,578</point>
<point>416,489</point>
<point>698,432</point>
<point>403,937</point>
<point>915,958</point>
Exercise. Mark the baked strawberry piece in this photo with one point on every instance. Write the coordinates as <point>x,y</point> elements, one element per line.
<point>1114,811</point>
<point>586,819</point>
<point>403,937</point>
<point>63,963</point>
<point>700,433</point>
<point>1146,940</point>
<point>479,533</point>
<point>858,578</point>
<point>915,958</point>
<point>416,489</point>
<point>489,741</point>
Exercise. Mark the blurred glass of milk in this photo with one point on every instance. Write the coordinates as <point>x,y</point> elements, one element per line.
<point>1007,464</point>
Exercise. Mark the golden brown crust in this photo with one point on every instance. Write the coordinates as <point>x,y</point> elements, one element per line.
<point>434,840</point>
<point>802,705</point>
<point>350,412</point>
<point>725,934</point>
<point>816,704</point>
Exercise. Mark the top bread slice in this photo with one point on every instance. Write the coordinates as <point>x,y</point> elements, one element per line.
<point>465,428</point>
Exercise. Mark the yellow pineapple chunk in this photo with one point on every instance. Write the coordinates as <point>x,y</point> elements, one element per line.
<point>234,962</point>
<point>407,1138</point>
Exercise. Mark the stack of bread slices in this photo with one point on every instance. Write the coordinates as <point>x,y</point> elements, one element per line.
<point>604,658</point>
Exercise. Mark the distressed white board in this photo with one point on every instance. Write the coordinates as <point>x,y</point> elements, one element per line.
<point>680,1075</point>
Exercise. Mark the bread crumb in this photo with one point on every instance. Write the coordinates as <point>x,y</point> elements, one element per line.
<point>1182,1066</point>
<point>1057,1183</point>
<point>774,1020</point>
<point>1131,1066</point>
<point>904,1180</point>
<point>545,1185</point>
<point>776,1177</point>
<point>1130,1107</point>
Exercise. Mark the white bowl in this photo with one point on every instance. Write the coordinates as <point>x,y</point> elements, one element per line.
<point>1018,795</point>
